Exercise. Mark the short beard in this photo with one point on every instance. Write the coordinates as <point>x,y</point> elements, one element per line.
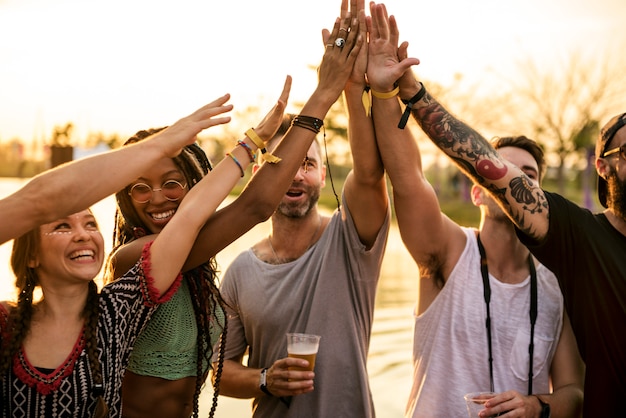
<point>300,210</point>
<point>616,194</point>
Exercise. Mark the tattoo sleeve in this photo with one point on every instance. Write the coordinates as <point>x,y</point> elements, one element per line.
<point>521,197</point>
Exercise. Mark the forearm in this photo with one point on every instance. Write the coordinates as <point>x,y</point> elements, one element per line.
<point>366,161</point>
<point>239,381</point>
<point>452,136</point>
<point>63,190</point>
<point>365,188</point>
<point>521,198</point>
<point>398,148</point>
<point>415,202</point>
<point>565,402</point>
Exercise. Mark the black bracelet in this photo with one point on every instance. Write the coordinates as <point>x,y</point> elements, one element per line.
<point>409,106</point>
<point>308,122</point>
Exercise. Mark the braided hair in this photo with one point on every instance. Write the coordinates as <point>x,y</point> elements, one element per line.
<point>20,317</point>
<point>206,299</point>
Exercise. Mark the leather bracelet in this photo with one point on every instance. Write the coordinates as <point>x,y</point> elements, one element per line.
<point>409,106</point>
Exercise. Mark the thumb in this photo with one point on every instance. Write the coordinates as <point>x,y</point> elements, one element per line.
<point>325,35</point>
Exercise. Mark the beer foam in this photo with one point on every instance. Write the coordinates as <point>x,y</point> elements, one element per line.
<point>303,349</point>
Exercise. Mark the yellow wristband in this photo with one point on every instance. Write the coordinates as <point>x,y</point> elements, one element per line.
<point>388,95</point>
<point>250,133</point>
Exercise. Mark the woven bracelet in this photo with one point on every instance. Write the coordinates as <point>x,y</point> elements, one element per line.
<point>236,162</point>
<point>409,106</point>
<point>248,150</point>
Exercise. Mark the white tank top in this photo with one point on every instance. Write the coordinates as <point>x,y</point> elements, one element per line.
<point>450,349</point>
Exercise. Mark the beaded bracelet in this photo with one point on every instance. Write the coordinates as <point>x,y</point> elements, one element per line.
<point>409,106</point>
<point>248,150</point>
<point>236,162</point>
<point>308,122</point>
<point>251,133</point>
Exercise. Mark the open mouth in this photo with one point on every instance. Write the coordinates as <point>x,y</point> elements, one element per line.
<point>82,255</point>
<point>161,216</point>
<point>294,193</point>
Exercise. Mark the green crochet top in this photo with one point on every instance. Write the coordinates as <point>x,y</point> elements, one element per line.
<point>167,348</point>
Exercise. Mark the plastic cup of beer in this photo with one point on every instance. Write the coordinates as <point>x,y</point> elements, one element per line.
<point>475,402</point>
<point>303,346</point>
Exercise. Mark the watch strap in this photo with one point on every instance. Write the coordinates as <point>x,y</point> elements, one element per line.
<point>545,408</point>
<point>263,384</point>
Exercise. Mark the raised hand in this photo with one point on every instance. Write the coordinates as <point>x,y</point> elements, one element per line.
<point>384,68</point>
<point>185,130</point>
<point>267,128</point>
<point>338,61</point>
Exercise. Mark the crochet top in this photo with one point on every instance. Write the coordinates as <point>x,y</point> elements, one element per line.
<point>167,348</point>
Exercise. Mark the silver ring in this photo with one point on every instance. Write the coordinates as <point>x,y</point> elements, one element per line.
<point>327,45</point>
<point>340,42</point>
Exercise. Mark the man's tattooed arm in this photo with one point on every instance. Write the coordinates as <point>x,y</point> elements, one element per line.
<point>521,198</point>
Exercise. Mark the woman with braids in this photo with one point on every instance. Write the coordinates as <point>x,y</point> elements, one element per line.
<point>64,354</point>
<point>167,373</point>
<point>171,357</point>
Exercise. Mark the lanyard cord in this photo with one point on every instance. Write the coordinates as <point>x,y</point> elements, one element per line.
<point>532,314</point>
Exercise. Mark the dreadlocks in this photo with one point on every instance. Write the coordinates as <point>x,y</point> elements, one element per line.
<point>207,302</point>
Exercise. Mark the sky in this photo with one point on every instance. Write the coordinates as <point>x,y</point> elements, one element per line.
<point>118,66</point>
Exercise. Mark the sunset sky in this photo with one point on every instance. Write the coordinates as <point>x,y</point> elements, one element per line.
<point>118,66</point>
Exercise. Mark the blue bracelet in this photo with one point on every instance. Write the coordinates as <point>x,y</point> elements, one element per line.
<point>236,162</point>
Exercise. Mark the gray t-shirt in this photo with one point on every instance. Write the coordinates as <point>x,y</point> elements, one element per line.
<point>330,291</point>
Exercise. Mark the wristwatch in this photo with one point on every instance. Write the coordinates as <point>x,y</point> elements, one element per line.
<point>545,408</point>
<point>263,382</point>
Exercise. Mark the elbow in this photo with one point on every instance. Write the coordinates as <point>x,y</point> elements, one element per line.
<point>255,210</point>
<point>261,211</point>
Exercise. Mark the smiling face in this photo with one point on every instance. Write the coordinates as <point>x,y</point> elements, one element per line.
<point>70,248</point>
<point>158,210</point>
<point>307,184</point>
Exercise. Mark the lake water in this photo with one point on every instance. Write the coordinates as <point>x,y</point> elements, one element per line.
<point>389,362</point>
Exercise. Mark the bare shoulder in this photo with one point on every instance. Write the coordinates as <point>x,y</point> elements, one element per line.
<point>126,256</point>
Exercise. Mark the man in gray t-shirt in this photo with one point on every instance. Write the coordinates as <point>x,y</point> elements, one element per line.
<point>313,274</point>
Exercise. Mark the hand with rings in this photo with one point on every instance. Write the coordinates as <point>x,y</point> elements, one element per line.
<point>337,63</point>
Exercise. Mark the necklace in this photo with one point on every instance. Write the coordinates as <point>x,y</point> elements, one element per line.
<point>278,260</point>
